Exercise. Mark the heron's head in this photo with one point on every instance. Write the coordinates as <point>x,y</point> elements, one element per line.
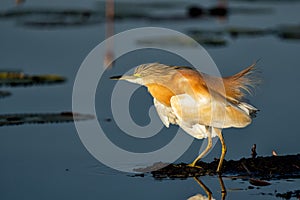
<point>147,73</point>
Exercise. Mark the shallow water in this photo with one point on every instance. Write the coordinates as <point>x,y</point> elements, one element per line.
<point>50,162</point>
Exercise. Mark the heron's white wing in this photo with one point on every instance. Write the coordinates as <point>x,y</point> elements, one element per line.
<point>165,113</point>
<point>167,116</point>
<point>214,111</point>
<point>197,131</point>
<point>186,110</point>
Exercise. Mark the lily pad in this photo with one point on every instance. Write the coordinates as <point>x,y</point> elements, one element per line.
<point>258,182</point>
<point>51,17</point>
<point>4,94</point>
<point>14,13</point>
<point>290,32</point>
<point>179,41</point>
<point>286,32</point>
<point>247,31</point>
<point>21,79</point>
<point>40,118</point>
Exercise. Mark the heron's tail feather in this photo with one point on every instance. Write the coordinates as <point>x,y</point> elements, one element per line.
<point>241,83</point>
<point>249,109</point>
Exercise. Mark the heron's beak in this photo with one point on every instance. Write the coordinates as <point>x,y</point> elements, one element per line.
<point>125,77</point>
<point>133,78</point>
<point>115,77</point>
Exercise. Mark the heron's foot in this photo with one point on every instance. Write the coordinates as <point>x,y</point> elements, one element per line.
<point>194,166</point>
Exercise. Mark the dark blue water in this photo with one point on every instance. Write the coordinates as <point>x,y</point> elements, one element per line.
<point>50,162</point>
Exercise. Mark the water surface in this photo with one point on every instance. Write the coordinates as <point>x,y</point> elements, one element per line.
<point>50,162</point>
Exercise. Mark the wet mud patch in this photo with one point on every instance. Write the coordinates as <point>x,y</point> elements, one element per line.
<point>271,167</point>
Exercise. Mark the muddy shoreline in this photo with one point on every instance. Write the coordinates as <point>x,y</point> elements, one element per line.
<point>267,168</point>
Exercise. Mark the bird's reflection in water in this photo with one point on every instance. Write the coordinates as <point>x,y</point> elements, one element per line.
<point>207,190</point>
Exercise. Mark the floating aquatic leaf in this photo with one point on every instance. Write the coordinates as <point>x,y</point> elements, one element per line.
<point>30,118</point>
<point>4,94</point>
<point>247,31</point>
<point>41,17</point>
<point>53,24</point>
<point>210,41</point>
<point>147,5</point>
<point>182,41</point>
<point>167,41</point>
<point>124,7</point>
<point>62,18</point>
<point>21,13</point>
<point>289,32</point>
<point>258,182</point>
<point>232,31</point>
<point>21,79</point>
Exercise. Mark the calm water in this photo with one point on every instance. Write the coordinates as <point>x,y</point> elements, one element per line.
<point>50,162</point>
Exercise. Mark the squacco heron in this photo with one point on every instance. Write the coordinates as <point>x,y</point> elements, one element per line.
<point>182,97</point>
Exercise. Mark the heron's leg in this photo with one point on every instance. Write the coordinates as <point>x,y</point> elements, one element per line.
<point>224,149</point>
<point>224,192</point>
<point>208,147</point>
<point>204,187</point>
